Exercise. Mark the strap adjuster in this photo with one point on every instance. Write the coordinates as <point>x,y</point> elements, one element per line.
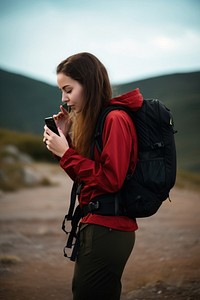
<point>93,206</point>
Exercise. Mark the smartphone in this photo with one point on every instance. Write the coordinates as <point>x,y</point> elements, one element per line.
<point>51,124</point>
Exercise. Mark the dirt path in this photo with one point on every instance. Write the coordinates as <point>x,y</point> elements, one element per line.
<point>165,263</point>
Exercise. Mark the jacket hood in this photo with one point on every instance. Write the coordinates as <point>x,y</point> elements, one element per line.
<point>132,100</point>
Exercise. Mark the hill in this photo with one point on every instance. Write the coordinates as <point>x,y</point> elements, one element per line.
<point>24,103</point>
<point>180,93</point>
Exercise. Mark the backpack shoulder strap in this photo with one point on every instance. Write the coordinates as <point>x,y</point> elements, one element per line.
<point>97,140</point>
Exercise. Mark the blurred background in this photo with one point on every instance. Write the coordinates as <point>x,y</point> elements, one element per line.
<point>150,44</point>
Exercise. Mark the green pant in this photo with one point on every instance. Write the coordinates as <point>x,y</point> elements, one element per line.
<point>101,260</point>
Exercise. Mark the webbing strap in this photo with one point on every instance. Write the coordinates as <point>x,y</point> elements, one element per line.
<point>100,124</point>
<point>72,201</point>
<point>104,205</point>
<point>107,205</point>
<point>74,217</point>
<point>73,235</point>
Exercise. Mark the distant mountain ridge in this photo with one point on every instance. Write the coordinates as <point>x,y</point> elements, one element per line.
<point>25,102</point>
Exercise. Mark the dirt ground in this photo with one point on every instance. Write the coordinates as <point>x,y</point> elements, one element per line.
<point>165,263</point>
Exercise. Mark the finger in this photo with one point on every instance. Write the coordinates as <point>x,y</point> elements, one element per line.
<point>49,132</point>
<point>45,141</point>
<point>60,115</point>
<point>60,131</point>
<point>46,128</point>
<point>46,135</point>
<point>64,111</point>
<point>55,116</point>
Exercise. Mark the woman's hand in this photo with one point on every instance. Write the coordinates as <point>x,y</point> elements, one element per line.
<point>55,143</point>
<point>63,121</point>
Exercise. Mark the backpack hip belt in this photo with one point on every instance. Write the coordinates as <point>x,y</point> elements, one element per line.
<point>105,205</point>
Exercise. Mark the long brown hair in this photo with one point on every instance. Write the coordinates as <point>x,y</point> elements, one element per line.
<point>92,75</point>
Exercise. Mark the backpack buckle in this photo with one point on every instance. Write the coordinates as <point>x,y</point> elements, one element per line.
<point>157,145</point>
<point>93,206</point>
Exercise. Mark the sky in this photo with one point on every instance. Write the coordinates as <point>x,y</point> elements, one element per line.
<point>134,39</point>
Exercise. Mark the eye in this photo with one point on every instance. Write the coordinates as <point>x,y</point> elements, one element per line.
<point>67,90</point>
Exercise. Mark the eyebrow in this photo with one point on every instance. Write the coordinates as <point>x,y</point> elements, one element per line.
<point>65,86</point>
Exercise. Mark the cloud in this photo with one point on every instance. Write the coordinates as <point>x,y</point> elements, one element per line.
<point>133,40</point>
<point>185,42</point>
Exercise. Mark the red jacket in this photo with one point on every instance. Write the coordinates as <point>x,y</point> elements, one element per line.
<point>107,173</point>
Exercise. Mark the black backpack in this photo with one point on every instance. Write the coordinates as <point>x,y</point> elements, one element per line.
<point>144,191</point>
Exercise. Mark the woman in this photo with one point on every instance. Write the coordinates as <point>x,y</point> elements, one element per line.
<point>105,241</point>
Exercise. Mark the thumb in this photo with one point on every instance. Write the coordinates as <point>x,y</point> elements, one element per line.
<point>60,131</point>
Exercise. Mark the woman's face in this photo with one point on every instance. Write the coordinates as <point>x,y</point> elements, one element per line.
<point>72,92</point>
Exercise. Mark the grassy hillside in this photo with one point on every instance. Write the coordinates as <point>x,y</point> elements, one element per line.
<point>180,93</point>
<point>30,144</point>
<point>24,103</point>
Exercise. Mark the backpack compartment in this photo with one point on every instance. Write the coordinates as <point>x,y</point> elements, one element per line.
<point>138,201</point>
<point>156,167</point>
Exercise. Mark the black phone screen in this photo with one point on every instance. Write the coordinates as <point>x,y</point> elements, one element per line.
<point>51,124</point>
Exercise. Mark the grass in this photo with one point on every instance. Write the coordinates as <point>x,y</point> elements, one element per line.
<point>13,172</point>
<point>188,180</point>
<point>27,143</point>
<point>11,175</point>
<point>9,260</point>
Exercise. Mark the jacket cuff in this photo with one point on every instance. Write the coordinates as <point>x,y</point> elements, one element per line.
<point>66,156</point>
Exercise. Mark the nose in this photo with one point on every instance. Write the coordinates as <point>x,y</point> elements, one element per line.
<point>64,97</point>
